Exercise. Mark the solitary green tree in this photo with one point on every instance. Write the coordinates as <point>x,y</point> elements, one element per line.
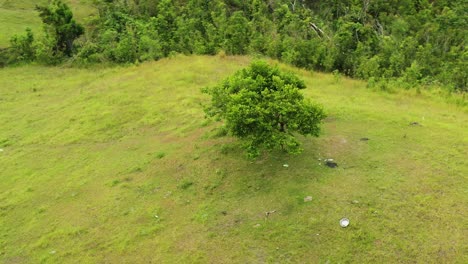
<point>264,107</point>
<point>60,25</point>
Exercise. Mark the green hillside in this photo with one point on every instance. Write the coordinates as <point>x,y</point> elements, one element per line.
<point>17,15</point>
<point>118,165</point>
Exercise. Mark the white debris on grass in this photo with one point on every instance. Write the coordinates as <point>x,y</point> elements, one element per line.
<point>285,165</point>
<point>344,222</point>
<point>307,199</point>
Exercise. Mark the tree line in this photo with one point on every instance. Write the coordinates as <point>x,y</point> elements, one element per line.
<point>405,42</point>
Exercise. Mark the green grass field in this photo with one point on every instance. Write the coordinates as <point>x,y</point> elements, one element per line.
<point>17,15</point>
<point>118,165</point>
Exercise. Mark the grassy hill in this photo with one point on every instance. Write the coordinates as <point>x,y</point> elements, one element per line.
<point>17,15</point>
<point>118,165</point>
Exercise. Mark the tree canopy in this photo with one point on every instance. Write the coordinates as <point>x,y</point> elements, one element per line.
<point>264,107</point>
<point>404,43</point>
<point>60,26</point>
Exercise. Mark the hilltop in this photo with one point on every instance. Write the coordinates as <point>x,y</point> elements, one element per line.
<point>118,164</point>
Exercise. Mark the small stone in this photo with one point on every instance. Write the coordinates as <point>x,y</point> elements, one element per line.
<point>344,222</point>
<point>269,213</point>
<point>285,165</point>
<point>330,163</point>
<point>307,199</point>
<point>156,216</point>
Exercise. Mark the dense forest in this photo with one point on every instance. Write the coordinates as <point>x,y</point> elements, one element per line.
<point>401,43</point>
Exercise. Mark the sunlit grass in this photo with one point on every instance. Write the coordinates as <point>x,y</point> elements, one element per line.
<point>119,165</point>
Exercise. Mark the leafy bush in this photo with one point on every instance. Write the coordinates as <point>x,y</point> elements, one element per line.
<point>264,107</point>
<point>22,48</point>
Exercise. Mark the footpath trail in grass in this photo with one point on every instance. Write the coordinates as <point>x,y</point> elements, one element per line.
<point>118,165</point>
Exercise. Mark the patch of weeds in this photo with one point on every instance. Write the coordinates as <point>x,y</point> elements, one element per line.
<point>160,155</point>
<point>203,215</point>
<point>228,148</point>
<point>224,149</point>
<point>135,170</point>
<point>205,123</point>
<point>221,175</point>
<point>220,132</point>
<point>127,179</point>
<point>147,189</point>
<point>5,142</point>
<point>114,183</point>
<point>185,185</point>
<point>363,238</point>
<point>337,76</point>
<point>150,230</point>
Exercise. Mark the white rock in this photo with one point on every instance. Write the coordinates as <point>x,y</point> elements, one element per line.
<point>344,222</point>
<point>285,165</point>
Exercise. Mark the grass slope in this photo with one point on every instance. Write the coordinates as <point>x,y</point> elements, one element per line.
<point>118,165</point>
<point>17,15</point>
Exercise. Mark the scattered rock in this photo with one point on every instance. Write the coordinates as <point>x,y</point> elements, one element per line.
<point>330,163</point>
<point>364,139</point>
<point>308,199</point>
<point>285,165</point>
<point>344,222</point>
<point>269,213</point>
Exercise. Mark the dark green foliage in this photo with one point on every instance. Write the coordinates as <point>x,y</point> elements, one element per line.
<point>60,26</point>
<point>22,47</point>
<point>236,35</point>
<point>416,42</point>
<point>264,107</point>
